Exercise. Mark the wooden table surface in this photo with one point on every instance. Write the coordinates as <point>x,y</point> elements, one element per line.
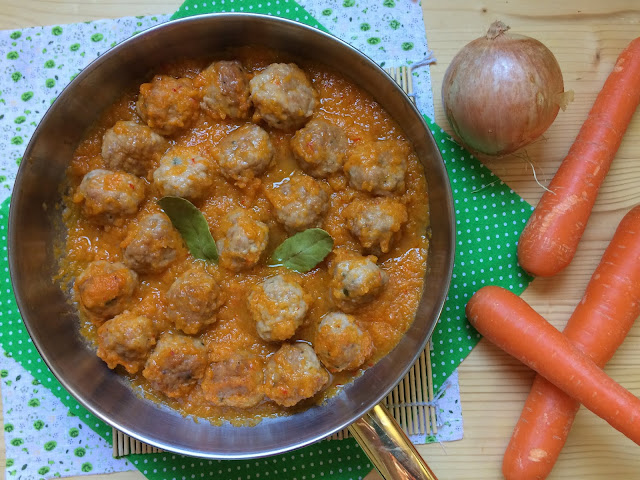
<point>586,36</point>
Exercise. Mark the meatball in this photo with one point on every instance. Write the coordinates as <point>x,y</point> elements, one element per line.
<point>320,148</point>
<point>340,343</point>
<point>299,201</point>
<point>152,244</point>
<point>225,90</point>
<point>193,300</point>
<point>167,104</point>
<point>244,154</point>
<point>356,281</point>
<point>294,373</point>
<point>283,96</point>
<point>243,241</point>
<point>375,222</point>
<point>176,364</point>
<point>183,174</point>
<point>378,167</point>
<point>235,382</point>
<point>107,196</point>
<point>278,306</point>
<point>126,340</point>
<point>103,288</point>
<point>131,147</point>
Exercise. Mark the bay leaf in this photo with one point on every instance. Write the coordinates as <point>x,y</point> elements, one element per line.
<point>192,225</point>
<point>303,251</point>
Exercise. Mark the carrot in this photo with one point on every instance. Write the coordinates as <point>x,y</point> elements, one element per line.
<point>550,238</point>
<point>599,324</point>
<point>510,323</point>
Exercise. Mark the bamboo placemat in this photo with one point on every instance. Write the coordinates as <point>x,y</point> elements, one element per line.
<point>410,402</point>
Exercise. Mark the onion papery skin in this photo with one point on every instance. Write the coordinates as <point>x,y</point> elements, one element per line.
<point>502,91</point>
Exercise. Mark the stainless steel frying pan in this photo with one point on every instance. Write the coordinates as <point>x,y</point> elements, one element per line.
<point>35,223</point>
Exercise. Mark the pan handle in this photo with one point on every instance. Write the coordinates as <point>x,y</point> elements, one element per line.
<point>388,448</point>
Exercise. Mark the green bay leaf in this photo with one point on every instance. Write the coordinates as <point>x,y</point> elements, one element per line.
<point>192,225</point>
<point>303,251</point>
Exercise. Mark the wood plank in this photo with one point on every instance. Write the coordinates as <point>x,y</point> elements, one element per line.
<point>586,38</point>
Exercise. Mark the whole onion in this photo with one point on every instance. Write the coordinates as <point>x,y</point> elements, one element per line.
<point>502,91</point>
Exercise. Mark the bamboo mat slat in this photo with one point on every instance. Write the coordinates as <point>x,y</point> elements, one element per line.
<point>410,402</point>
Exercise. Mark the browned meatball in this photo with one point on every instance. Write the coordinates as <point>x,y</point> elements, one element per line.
<point>167,104</point>
<point>283,96</point>
<point>243,240</point>
<point>104,288</point>
<point>340,343</point>
<point>131,147</point>
<point>320,148</point>
<point>378,167</point>
<point>126,340</point>
<point>235,382</point>
<point>244,154</point>
<point>183,173</point>
<point>278,306</point>
<point>193,300</point>
<point>376,222</point>
<point>225,90</point>
<point>300,202</point>
<point>152,244</point>
<point>356,280</point>
<point>176,364</point>
<point>293,374</point>
<point>108,197</point>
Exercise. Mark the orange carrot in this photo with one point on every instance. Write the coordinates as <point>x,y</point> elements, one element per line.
<point>509,322</point>
<point>599,324</point>
<point>550,238</point>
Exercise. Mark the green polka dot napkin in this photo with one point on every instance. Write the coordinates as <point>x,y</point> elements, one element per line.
<point>47,433</point>
<point>489,219</point>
